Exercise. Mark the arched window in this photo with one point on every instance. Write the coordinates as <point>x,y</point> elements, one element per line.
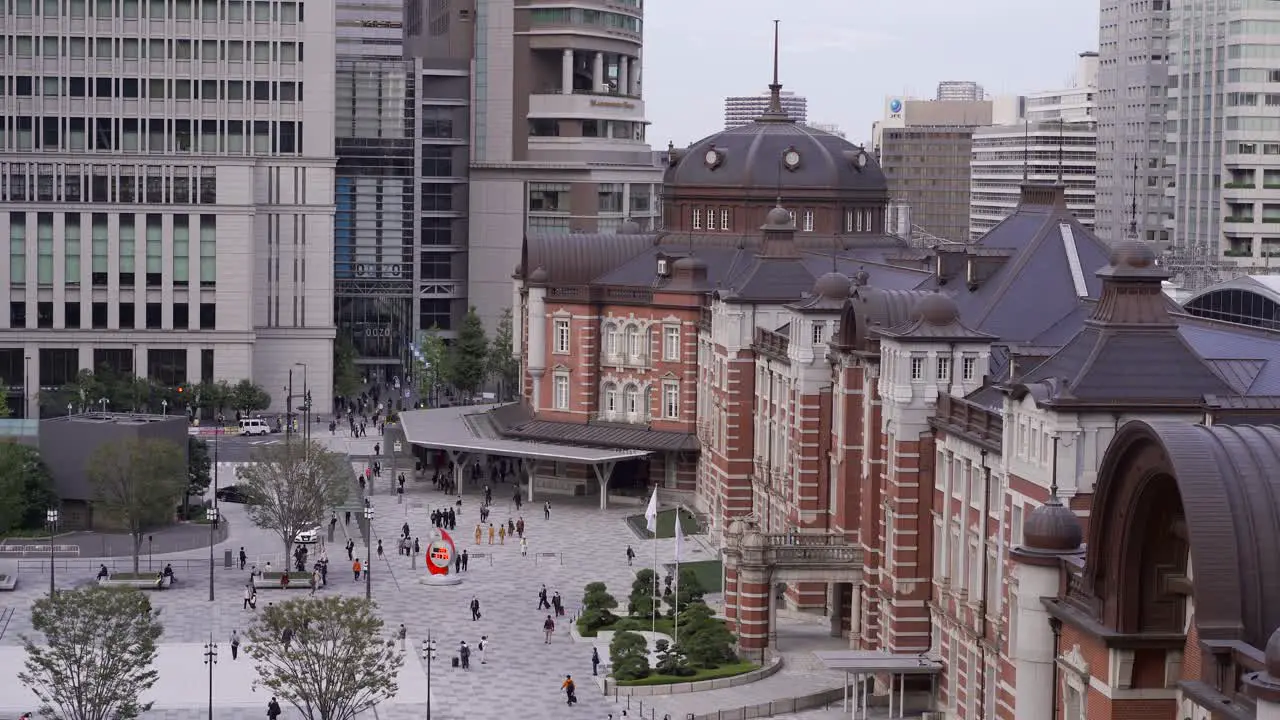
<point>612,342</point>
<point>610,400</point>
<point>633,401</point>
<point>635,342</point>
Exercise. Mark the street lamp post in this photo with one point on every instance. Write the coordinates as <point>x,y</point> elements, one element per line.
<point>26,380</point>
<point>306,405</point>
<point>51,519</point>
<point>211,514</point>
<point>211,659</point>
<point>104,403</point>
<point>164,407</point>
<point>428,655</point>
<point>368,552</point>
<point>288,405</point>
<point>68,409</point>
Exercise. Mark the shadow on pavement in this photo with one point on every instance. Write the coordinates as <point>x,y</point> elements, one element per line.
<point>176,538</point>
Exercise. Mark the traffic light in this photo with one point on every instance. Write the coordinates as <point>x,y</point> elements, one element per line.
<point>180,389</point>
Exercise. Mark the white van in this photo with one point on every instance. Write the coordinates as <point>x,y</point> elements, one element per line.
<point>254,426</point>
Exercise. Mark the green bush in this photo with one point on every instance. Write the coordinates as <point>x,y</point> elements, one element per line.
<point>628,655</point>
<point>641,602</point>
<point>689,591</point>
<point>705,640</point>
<point>672,660</point>
<point>596,604</point>
<point>629,624</point>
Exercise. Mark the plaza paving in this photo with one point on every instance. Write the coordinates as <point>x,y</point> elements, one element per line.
<point>522,675</point>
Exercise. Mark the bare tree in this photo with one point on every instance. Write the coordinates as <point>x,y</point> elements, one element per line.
<point>138,483</point>
<point>339,663</point>
<point>290,487</point>
<point>98,656</point>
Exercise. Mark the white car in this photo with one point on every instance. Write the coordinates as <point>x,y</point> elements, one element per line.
<point>309,537</point>
<point>254,426</point>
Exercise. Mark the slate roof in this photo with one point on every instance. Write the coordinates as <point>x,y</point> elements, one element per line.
<point>517,422</point>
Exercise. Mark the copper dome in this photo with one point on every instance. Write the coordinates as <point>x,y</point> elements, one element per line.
<point>689,262</point>
<point>539,275</point>
<point>1134,254</point>
<point>1273,655</point>
<point>835,285</point>
<point>936,309</point>
<point>1052,527</point>
<point>779,218</point>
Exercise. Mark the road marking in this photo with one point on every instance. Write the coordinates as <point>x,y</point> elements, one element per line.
<point>264,442</point>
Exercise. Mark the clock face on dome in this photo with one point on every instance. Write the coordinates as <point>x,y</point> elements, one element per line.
<point>862,160</point>
<point>712,158</point>
<point>791,159</point>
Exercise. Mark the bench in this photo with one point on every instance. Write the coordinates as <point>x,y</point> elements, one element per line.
<point>157,583</point>
<point>301,581</point>
<point>8,583</point>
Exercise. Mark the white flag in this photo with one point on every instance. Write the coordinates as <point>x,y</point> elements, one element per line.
<point>651,514</point>
<point>679,539</point>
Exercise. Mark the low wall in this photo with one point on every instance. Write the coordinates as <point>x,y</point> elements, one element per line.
<point>611,687</point>
<point>785,706</point>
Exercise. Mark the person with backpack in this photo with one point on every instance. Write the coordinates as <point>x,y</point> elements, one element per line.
<point>273,709</point>
<point>570,690</point>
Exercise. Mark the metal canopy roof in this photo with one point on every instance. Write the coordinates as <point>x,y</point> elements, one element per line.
<point>448,429</point>
<point>875,661</point>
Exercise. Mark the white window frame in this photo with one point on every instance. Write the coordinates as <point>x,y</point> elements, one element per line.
<point>671,342</point>
<point>635,342</point>
<point>633,402</point>
<point>969,367</point>
<point>611,340</point>
<point>697,218</point>
<point>711,218</point>
<point>561,330</point>
<point>857,223</point>
<point>560,391</point>
<point>610,404</point>
<point>808,221</point>
<point>671,400</point>
<point>724,220</point>
<point>817,333</point>
<point>944,368</point>
<point>917,368</point>
<point>848,220</point>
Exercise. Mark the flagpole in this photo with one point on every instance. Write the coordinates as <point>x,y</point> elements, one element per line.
<point>679,532</point>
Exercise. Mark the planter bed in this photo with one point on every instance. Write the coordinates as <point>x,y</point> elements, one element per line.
<point>271,581</point>
<point>8,583</point>
<point>140,581</point>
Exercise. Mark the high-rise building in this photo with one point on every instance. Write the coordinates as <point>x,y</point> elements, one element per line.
<point>370,28</point>
<point>1223,131</point>
<point>559,131</point>
<point>924,148</point>
<point>960,90</point>
<point>1056,140</point>
<point>1131,104</point>
<point>168,199</point>
<point>744,109</point>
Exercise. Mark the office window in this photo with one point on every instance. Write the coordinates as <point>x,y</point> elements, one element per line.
<point>560,394</point>
<point>818,333</point>
<point>154,317</point>
<point>561,336</point>
<point>613,342</point>
<point>208,316</point>
<point>635,342</point>
<point>609,198</point>
<point>711,219</point>
<point>671,342</point>
<point>18,315</point>
<point>18,249</point>
<point>631,396</point>
<point>71,250</point>
<point>917,368</point>
<point>128,319</point>
<point>208,250</point>
<point>98,315</point>
<point>969,367</point>
<point>671,400</point>
<point>206,366</point>
<point>808,221</point>
<point>697,218</point>
<point>155,250</point>
<point>99,249</point>
<point>181,250</point>
<point>549,197</point>
<point>437,161</point>
<point>610,406</point>
<point>71,315</point>
<point>44,252</point>
<point>724,220</point>
<point>128,248</point>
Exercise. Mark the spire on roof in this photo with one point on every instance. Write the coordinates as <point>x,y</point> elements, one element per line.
<point>775,113</point>
<point>1062,125</point>
<point>1133,203</point>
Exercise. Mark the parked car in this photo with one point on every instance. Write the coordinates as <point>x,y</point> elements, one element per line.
<point>308,537</point>
<point>232,494</point>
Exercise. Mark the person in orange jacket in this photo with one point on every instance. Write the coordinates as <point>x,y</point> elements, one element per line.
<point>355,568</point>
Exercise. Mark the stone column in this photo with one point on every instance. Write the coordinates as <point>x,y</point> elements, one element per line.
<point>566,72</point>
<point>635,76</point>
<point>855,618</point>
<point>624,75</point>
<point>1033,655</point>
<point>597,73</point>
<point>753,612</point>
<point>537,341</point>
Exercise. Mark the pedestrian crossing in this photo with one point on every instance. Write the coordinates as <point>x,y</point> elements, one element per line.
<point>226,472</point>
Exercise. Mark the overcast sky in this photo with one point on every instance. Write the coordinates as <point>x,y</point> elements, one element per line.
<point>847,55</point>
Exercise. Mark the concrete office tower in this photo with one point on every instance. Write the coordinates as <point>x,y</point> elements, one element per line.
<point>370,28</point>
<point>1055,139</point>
<point>744,109</point>
<point>1132,75</point>
<point>924,148</point>
<point>179,224</point>
<point>829,128</point>
<point>559,133</point>
<point>960,90</point>
<point>1224,131</point>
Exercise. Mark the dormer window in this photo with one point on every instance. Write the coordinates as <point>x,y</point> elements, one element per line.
<point>968,368</point>
<point>808,221</point>
<point>697,218</point>
<point>664,267</point>
<point>917,368</point>
<point>944,369</point>
<point>818,333</point>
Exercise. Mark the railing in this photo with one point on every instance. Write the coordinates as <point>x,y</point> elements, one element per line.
<point>25,550</point>
<point>628,295</point>
<point>771,343</point>
<point>1076,595</point>
<point>114,565</point>
<point>563,292</point>
<point>815,554</point>
<point>806,539</point>
<point>970,419</point>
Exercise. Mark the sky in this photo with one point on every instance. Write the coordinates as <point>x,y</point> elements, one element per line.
<point>845,56</point>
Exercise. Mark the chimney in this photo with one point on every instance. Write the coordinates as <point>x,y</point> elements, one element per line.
<point>1040,194</point>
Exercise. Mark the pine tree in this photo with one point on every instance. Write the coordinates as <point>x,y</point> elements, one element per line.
<point>468,365</point>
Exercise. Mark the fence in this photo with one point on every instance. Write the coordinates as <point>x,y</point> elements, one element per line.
<point>8,551</point>
<point>123,564</point>
<point>824,699</point>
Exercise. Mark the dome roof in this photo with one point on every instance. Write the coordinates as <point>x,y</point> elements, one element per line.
<point>936,309</point>
<point>833,285</point>
<point>1273,655</point>
<point>751,156</point>
<point>539,275</point>
<point>689,262</point>
<point>1134,254</point>
<point>1052,527</point>
<point>779,217</point>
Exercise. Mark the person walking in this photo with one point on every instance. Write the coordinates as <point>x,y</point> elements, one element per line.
<point>466,560</point>
<point>243,557</point>
<point>546,510</point>
<point>570,690</point>
<point>475,608</point>
<point>478,531</point>
<point>595,661</point>
<point>524,547</point>
<point>464,655</point>
<point>248,595</point>
<point>379,548</point>
<point>502,535</point>
<point>490,533</point>
<point>356,567</point>
<point>351,548</point>
<point>273,709</point>
<point>235,643</point>
<point>548,628</point>
<point>542,599</point>
<point>484,645</point>
<point>631,555</point>
<point>403,634</point>
<point>315,580</point>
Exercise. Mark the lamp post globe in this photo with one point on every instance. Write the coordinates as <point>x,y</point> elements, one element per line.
<point>51,519</point>
<point>368,550</point>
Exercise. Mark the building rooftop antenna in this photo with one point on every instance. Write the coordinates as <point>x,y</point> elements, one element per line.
<point>1062,125</point>
<point>775,113</point>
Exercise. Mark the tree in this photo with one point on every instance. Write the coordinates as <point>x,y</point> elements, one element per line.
<point>198,465</point>
<point>248,397</point>
<point>469,357</point>
<point>98,653</point>
<point>688,590</point>
<point>672,660</point>
<point>629,656</point>
<point>290,487</point>
<point>138,482</point>
<point>4,401</point>
<point>704,639</point>
<point>26,488</point>
<point>642,601</point>
<point>435,360</point>
<point>339,663</point>
<point>504,365</point>
<point>346,376</point>
<point>596,604</point>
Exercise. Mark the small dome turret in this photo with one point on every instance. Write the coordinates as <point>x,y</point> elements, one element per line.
<point>834,285</point>
<point>539,275</point>
<point>1132,254</point>
<point>778,218</point>
<point>936,309</point>
<point>1052,527</point>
